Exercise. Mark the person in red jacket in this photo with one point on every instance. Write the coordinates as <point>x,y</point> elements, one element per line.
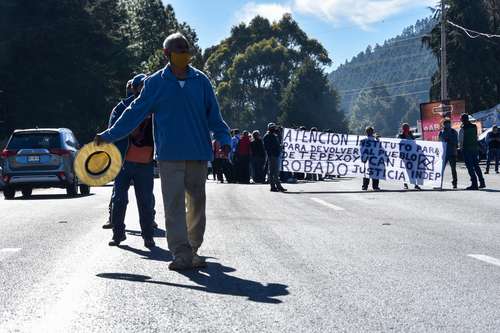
<point>221,164</point>
<point>243,153</point>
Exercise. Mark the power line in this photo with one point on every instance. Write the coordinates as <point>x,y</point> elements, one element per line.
<point>405,56</point>
<point>409,94</point>
<point>472,33</point>
<point>400,83</point>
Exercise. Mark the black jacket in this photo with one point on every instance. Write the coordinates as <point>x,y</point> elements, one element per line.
<point>272,145</point>
<point>258,148</point>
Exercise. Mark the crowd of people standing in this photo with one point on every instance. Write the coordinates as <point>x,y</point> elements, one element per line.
<point>251,157</point>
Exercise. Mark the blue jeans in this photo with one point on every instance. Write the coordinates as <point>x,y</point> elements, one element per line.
<point>493,154</point>
<point>142,176</point>
<point>472,163</point>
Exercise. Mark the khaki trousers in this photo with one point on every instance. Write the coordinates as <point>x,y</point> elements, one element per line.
<point>183,186</point>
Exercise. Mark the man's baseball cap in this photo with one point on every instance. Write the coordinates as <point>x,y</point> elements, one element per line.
<point>271,125</point>
<point>138,79</point>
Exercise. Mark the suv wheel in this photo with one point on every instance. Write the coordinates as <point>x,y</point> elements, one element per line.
<point>84,189</point>
<point>72,189</point>
<point>9,193</point>
<point>27,192</point>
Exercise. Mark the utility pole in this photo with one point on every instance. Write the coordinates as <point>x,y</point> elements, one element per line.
<point>444,68</point>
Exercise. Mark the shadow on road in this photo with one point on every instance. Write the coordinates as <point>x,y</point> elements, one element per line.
<point>53,196</point>
<point>214,279</point>
<point>155,253</point>
<point>159,233</point>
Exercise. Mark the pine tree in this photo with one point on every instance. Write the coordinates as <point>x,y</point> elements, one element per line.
<point>309,101</point>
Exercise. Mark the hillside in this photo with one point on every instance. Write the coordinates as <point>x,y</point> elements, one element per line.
<point>401,67</point>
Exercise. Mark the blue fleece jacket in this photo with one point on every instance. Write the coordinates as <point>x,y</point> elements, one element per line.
<point>182,117</point>
<point>118,110</point>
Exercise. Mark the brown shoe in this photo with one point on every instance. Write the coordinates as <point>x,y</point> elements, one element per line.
<point>180,264</point>
<point>199,262</point>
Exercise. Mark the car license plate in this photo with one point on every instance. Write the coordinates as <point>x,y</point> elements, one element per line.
<point>34,159</point>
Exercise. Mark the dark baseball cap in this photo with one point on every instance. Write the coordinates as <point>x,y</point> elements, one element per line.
<point>138,79</point>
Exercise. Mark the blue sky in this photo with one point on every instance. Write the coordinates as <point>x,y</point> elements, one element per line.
<point>344,27</point>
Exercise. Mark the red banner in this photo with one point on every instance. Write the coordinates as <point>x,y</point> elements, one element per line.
<point>433,115</point>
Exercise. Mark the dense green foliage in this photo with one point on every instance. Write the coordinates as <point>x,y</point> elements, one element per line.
<point>384,85</point>
<point>256,72</point>
<point>309,100</point>
<point>65,63</point>
<point>473,64</point>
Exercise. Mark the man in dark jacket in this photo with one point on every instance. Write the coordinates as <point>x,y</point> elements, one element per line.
<point>258,158</point>
<point>369,141</point>
<point>137,154</point>
<point>449,136</point>
<point>273,150</point>
<point>470,149</point>
<point>493,141</point>
<point>132,92</point>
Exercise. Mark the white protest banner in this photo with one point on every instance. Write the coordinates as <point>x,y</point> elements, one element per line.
<point>408,161</point>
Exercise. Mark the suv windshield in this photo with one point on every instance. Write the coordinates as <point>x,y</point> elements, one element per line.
<point>34,141</point>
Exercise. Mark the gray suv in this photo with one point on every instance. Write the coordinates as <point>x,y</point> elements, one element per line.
<point>40,158</point>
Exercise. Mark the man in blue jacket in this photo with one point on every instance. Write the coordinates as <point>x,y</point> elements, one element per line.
<point>185,111</point>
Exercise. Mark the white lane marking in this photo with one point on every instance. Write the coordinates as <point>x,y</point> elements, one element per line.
<point>7,252</point>
<point>327,204</point>
<point>9,249</point>
<point>488,259</point>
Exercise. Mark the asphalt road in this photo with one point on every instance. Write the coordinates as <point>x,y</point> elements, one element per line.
<point>325,257</point>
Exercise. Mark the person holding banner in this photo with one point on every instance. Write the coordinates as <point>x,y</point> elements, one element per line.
<point>366,180</point>
<point>470,149</point>
<point>493,141</point>
<point>449,136</point>
<point>406,134</point>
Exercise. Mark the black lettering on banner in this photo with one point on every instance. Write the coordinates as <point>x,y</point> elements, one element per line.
<point>284,165</point>
<point>296,166</point>
<point>334,139</point>
<point>342,169</point>
<point>344,139</point>
<point>320,138</point>
<point>330,168</point>
<point>313,156</point>
<point>307,166</point>
<point>319,168</point>
<point>288,136</point>
<point>313,136</point>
